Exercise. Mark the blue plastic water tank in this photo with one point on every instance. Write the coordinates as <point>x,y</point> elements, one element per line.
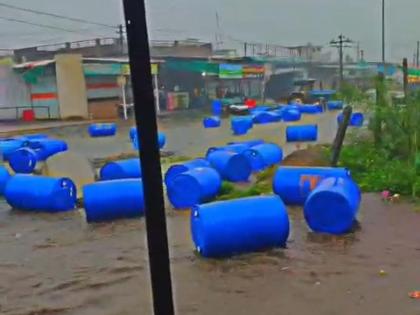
<point>217,107</point>
<point>332,206</point>
<point>36,136</point>
<point>133,133</point>
<point>291,115</point>
<point>356,119</point>
<point>47,147</point>
<point>231,166</point>
<point>102,130</point>
<point>241,125</point>
<point>8,146</point>
<point>237,148</point>
<point>294,184</point>
<point>39,193</point>
<point>226,228</point>
<point>161,141</point>
<point>4,177</point>
<point>111,200</point>
<point>177,169</point>
<point>263,156</point>
<point>211,122</point>
<point>194,187</point>
<point>121,169</point>
<point>249,143</point>
<point>23,161</point>
<point>335,105</point>
<point>311,109</point>
<point>302,133</point>
<point>266,117</point>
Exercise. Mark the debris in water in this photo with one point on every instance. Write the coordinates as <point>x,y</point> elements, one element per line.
<point>385,194</point>
<point>382,272</point>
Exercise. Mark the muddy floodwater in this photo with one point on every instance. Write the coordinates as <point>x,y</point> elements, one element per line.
<point>57,264</point>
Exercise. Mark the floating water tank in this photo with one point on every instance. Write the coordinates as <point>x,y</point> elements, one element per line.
<point>231,166</point>
<point>23,161</point>
<point>294,184</point>
<point>291,115</point>
<point>263,156</point>
<point>241,125</point>
<point>194,187</point>
<point>335,105</point>
<point>237,148</point>
<point>226,228</point>
<point>356,119</point>
<point>267,117</point>
<point>311,109</point>
<point>332,206</point>
<point>111,200</point>
<point>47,147</point>
<point>121,169</point>
<point>102,130</point>
<point>211,122</point>
<point>4,177</point>
<point>302,133</point>
<point>39,193</point>
<point>217,107</point>
<point>161,141</point>
<point>177,169</point>
<point>8,146</point>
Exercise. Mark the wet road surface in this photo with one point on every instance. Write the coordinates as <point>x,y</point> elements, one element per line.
<point>57,264</point>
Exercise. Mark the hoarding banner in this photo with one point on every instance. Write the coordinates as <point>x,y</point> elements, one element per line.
<point>229,71</point>
<point>253,71</point>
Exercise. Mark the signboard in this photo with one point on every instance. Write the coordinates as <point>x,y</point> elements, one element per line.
<point>92,69</point>
<point>125,69</point>
<point>229,71</point>
<point>253,71</point>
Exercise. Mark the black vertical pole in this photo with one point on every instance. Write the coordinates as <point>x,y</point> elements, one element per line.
<point>145,114</point>
<point>245,49</point>
<point>383,37</point>
<point>418,54</point>
<point>341,60</point>
<point>405,76</point>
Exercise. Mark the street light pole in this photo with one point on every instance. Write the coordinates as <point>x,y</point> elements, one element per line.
<point>383,35</point>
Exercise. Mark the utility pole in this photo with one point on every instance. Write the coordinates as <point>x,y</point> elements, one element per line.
<point>405,74</point>
<point>121,37</point>
<point>341,43</point>
<point>245,48</point>
<point>418,54</point>
<point>362,55</point>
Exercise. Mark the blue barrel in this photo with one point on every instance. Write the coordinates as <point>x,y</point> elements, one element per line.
<point>266,117</point>
<point>241,125</point>
<point>302,133</point>
<point>23,161</point>
<point>249,143</point>
<point>237,148</point>
<point>356,119</point>
<point>102,130</point>
<point>177,169</point>
<point>332,206</point>
<point>133,133</point>
<point>226,228</point>
<point>217,107</point>
<point>311,109</point>
<point>263,156</point>
<point>8,146</point>
<point>4,177</point>
<point>291,107</point>
<point>121,169</point>
<point>211,122</point>
<point>194,187</point>
<point>39,193</point>
<point>111,200</point>
<point>47,147</point>
<point>231,166</point>
<point>335,105</point>
<point>161,141</point>
<point>294,184</point>
<point>291,115</point>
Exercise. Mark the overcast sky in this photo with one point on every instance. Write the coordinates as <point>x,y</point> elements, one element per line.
<point>285,22</point>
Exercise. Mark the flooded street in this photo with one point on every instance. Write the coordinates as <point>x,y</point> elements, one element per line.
<point>60,265</point>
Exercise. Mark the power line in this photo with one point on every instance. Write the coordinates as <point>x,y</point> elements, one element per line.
<point>58,16</point>
<point>40,25</point>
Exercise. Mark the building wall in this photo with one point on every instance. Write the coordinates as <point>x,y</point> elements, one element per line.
<point>71,86</point>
